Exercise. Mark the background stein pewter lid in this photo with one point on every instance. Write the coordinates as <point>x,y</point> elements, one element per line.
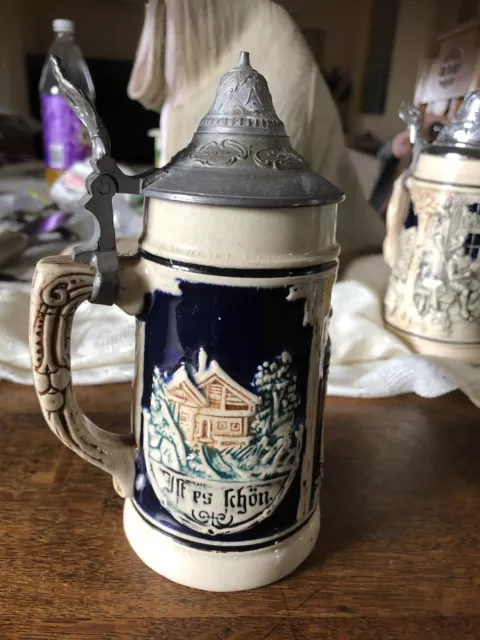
<point>241,155</point>
<point>462,134</point>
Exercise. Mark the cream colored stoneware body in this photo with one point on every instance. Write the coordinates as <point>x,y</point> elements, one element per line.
<point>285,250</point>
<point>218,570</point>
<point>231,289</point>
<point>433,297</point>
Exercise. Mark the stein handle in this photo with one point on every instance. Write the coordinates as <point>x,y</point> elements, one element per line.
<point>59,287</point>
<point>397,212</point>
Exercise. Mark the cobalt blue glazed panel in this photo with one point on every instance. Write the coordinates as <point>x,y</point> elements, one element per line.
<point>224,403</point>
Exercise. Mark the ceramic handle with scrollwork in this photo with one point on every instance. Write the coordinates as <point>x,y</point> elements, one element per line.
<point>399,203</point>
<point>59,287</point>
<point>397,212</point>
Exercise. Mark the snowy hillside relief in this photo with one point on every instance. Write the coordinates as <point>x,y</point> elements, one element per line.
<point>221,457</point>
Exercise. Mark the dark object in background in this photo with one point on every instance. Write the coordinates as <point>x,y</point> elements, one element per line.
<point>433,131</point>
<point>315,39</point>
<point>388,172</point>
<point>126,120</point>
<point>367,143</point>
<point>340,86</point>
<point>28,228</point>
<point>17,138</point>
<point>380,48</point>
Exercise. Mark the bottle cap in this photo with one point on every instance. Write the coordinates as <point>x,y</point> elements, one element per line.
<point>63,25</point>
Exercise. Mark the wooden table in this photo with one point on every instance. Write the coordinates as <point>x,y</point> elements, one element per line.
<point>398,554</point>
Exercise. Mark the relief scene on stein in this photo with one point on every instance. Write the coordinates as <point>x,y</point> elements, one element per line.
<point>443,269</point>
<point>220,456</point>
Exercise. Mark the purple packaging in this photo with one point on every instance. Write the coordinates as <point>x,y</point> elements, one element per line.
<point>65,139</point>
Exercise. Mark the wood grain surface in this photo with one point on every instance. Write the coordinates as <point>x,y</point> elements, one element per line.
<point>398,555</point>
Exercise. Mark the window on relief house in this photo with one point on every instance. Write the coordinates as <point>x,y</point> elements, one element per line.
<point>215,395</point>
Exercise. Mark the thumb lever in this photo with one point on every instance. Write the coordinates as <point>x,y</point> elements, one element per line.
<point>102,184</point>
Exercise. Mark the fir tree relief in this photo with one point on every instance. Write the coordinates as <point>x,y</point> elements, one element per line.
<point>222,457</point>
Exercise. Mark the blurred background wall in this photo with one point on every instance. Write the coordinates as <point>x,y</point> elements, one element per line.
<point>339,32</point>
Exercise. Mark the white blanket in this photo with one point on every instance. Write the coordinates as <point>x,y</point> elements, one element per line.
<point>367,360</point>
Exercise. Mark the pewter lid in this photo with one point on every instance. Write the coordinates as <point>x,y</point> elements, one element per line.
<point>241,155</point>
<point>462,135</point>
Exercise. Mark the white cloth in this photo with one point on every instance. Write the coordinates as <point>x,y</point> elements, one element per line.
<point>367,360</point>
<point>103,340</point>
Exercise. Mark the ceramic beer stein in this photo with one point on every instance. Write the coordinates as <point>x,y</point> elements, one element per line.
<point>433,240</point>
<point>231,291</point>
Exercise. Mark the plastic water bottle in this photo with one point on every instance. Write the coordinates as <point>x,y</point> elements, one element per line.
<point>65,140</point>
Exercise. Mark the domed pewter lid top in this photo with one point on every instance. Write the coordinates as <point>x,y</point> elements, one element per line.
<point>241,155</point>
<point>462,135</point>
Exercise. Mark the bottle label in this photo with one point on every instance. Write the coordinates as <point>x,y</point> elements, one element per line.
<point>65,139</point>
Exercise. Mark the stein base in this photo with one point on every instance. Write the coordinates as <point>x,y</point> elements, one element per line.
<point>463,352</point>
<point>215,570</point>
